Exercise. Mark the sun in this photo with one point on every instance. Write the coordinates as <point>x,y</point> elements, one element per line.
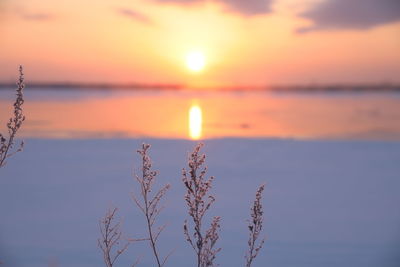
<point>195,61</point>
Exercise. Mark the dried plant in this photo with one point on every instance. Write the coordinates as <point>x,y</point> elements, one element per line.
<point>111,238</point>
<point>13,125</point>
<point>255,228</point>
<point>150,203</point>
<point>199,201</point>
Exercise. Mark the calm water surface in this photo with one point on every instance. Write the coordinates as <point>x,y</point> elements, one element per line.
<point>165,114</point>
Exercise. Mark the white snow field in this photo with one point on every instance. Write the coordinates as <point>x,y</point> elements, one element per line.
<point>327,203</point>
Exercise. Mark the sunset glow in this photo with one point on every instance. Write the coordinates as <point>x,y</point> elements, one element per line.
<point>251,43</point>
<point>195,122</point>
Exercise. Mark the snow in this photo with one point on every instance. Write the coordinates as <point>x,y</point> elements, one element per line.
<point>327,203</point>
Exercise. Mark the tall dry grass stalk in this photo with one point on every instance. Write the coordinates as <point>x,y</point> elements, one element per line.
<point>150,204</point>
<point>255,228</point>
<point>13,125</point>
<point>111,238</point>
<point>199,201</point>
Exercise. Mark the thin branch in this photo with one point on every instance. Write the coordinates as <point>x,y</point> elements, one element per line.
<point>150,204</point>
<point>199,201</point>
<point>167,257</point>
<point>255,228</point>
<point>110,238</point>
<point>136,263</point>
<point>160,229</point>
<point>14,124</point>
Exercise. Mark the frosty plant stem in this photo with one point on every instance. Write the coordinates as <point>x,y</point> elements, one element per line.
<point>199,201</point>
<point>110,238</point>
<point>150,204</point>
<point>255,228</point>
<point>13,125</point>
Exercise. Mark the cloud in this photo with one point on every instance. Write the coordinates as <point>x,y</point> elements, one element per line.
<point>132,14</point>
<point>37,16</point>
<point>248,7</point>
<point>242,7</point>
<point>351,14</point>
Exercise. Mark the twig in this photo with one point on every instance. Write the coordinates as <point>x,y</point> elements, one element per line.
<point>255,228</point>
<point>199,201</point>
<point>110,238</point>
<point>13,125</point>
<point>150,205</point>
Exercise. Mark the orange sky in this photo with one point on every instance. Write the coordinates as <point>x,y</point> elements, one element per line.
<point>260,43</point>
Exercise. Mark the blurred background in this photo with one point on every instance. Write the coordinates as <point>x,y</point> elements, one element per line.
<point>303,95</point>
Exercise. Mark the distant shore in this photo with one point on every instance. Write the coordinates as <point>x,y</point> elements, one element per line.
<point>383,87</point>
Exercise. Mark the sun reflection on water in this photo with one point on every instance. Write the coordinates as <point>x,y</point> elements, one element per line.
<point>195,122</point>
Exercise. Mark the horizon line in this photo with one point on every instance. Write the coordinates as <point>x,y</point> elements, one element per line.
<point>314,87</point>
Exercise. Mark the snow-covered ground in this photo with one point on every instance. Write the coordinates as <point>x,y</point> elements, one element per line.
<point>327,203</point>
